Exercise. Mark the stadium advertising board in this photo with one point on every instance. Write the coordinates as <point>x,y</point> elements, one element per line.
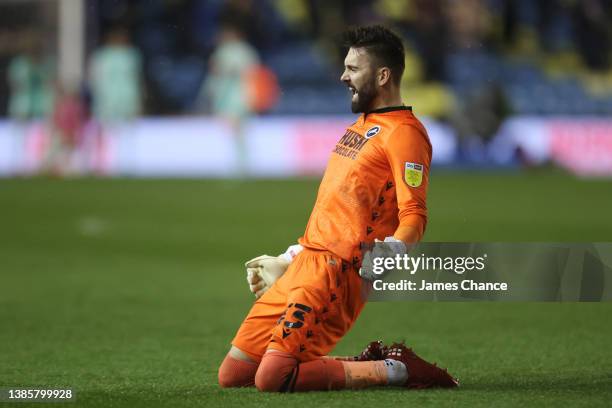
<point>285,146</point>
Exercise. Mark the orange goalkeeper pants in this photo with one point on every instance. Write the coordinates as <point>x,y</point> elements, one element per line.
<point>307,311</point>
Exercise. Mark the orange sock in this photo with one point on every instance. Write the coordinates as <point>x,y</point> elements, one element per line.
<point>319,375</point>
<point>280,371</point>
<point>362,374</point>
<point>237,373</point>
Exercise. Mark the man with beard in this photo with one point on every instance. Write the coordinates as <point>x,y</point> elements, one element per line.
<point>374,189</point>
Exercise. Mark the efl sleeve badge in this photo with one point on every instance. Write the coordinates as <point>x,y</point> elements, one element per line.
<point>413,174</point>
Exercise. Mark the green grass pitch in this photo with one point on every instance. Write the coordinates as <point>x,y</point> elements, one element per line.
<point>129,291</point>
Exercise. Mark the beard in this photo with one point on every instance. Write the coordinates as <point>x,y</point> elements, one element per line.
<point>364,98</point>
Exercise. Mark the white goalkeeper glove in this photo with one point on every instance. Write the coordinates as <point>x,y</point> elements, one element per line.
<point>388,248</point>
<point>264,270</point>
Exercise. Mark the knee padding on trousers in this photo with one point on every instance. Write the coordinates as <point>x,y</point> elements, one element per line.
<point>237,373</point>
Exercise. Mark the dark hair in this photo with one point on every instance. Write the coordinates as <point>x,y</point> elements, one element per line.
<point>383,44</point>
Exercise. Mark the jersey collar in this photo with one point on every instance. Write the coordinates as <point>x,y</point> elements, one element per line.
<point>391,109</point>
<point>388,109</point>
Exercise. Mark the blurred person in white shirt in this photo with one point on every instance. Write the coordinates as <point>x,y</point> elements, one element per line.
<point>31,77</point>
<point>225,90</point>
<point>115,78</point>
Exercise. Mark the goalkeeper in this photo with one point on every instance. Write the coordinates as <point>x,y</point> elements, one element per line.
<point>374,188</point>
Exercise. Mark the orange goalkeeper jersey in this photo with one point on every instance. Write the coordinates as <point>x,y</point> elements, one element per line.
<point>375,181</point>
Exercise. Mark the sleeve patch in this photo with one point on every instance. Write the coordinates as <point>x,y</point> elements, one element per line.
<point>413,174</point>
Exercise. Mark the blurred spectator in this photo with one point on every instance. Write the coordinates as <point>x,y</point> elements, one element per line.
<point>68,122</point>
<point>478,119</point>
<point>223,92</point>
<point>226,89</point>
<point>115,78</point>
<point>31,76</point>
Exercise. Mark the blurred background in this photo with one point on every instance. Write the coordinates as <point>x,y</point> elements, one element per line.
<point>149,148</point>
<point>237,88</point>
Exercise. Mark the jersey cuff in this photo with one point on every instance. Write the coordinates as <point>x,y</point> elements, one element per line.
<point>414,221</point>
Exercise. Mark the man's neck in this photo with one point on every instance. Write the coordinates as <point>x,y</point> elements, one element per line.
<point>386,101</point>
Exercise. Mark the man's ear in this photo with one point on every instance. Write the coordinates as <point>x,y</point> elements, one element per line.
<point>384,76</point>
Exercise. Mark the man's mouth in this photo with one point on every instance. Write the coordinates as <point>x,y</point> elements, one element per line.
<point>353,90</point>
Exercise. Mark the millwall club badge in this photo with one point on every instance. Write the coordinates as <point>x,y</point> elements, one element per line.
<point>413,174</point>
<point>373,131</point>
